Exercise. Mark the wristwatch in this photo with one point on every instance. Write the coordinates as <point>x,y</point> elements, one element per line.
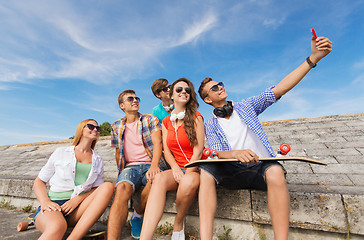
<point>308,60</point>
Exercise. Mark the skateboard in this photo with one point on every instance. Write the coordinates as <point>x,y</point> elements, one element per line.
<point>210,156</point>
<point>94,232</point>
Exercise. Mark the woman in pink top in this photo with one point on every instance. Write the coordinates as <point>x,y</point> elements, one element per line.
<point>183,142</point>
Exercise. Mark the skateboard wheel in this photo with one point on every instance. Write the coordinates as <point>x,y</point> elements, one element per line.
<point>22,226</point>
<point>206,153</point>
<point>284,148</point>
<point>213,154</point>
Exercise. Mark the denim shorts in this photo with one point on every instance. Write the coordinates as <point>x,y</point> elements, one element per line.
<point>60,203</point>
<point>134,175</point>
<point>238,175</point>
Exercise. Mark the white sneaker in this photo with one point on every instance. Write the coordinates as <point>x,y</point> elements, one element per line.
<point>179,235</point>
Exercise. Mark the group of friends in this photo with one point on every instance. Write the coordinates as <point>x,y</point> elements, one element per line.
<point>151,153</point>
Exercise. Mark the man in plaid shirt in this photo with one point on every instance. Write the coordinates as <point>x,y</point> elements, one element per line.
<point>138,142</point>
<point>234,131</point>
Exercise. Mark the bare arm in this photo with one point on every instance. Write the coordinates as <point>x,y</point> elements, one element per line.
<point>176,170</point>
<point>157,154</point>
<point>245,156</point>
<point>167,153</point>
<point>320,47</point>
<point>200,135</point>
<point>40,192</point>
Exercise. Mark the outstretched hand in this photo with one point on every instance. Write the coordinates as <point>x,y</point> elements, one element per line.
<point>320,47</point>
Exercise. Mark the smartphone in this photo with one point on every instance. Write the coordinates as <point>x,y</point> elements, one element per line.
<point>313,32</point>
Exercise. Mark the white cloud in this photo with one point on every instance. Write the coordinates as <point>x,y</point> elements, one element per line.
<point>64,42</point>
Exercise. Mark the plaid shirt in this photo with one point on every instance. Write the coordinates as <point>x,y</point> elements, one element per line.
<point>147,125</point>
<point>248,111</point>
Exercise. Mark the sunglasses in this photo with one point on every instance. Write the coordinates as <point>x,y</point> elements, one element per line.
<point>131,99</point>
<point>165,89</point>
<point>92,127</point>
<point>187,89</point>
<point>215,88</point>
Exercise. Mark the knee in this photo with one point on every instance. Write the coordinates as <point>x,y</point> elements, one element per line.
<point>189,185</point>
<point>275,176</point>
<point>160,180</point>
<point>56,229</point>
<point>123,191</point>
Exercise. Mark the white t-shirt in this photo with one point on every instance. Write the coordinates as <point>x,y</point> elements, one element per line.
<point>241,137</point>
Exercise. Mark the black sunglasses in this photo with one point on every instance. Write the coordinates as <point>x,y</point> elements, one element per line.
<point>92,127</point>
<point>187,89</point>
<point>131,99</point>
<point>165,89</point>
<point>215,87</point>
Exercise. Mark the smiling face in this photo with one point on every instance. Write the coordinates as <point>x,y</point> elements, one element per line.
<point>91,134</point>
<point>214,97</point>
<point>180,93</point>
<point>130,103</point>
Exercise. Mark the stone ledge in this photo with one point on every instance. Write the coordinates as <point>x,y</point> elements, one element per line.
<point>333,213</point>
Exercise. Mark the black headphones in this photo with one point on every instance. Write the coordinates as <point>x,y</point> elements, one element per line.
<point>224,111</point>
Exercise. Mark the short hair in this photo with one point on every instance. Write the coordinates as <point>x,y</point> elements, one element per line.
<point>158,84</point>
<point>79,133</point>
<point>120,98</point>
<point>203,84</point>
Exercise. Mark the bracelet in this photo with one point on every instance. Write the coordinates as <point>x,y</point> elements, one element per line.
<point>308,60</point>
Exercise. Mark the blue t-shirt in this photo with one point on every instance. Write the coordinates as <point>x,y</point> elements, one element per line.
<point>160,112</point>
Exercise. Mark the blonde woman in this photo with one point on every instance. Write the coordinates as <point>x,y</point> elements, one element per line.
<point>183,141</point>
<point>78,195</point>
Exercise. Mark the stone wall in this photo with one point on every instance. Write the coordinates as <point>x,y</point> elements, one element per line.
<point>327,202</point>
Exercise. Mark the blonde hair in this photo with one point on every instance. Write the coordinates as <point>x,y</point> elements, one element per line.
<point>79,131</point>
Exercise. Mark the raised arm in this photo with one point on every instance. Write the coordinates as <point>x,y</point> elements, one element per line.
<point>320,47</point>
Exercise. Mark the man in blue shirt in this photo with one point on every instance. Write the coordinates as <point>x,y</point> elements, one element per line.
<point>234,131</point>
<point>160,89</point>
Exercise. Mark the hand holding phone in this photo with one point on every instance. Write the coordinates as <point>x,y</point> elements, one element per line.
<point>313,32</point>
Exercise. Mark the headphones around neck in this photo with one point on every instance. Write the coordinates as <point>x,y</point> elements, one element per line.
<point>224,111</point>
<point>168,108</point>
<point>180,115</point>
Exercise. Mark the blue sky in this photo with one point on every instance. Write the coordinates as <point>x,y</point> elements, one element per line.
<point>65,61</point>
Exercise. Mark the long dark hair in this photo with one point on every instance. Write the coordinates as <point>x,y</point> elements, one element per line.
<point>191,108</point>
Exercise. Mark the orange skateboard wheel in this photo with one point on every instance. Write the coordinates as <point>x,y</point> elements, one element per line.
<point>22,226</point>
<point>213,154</point>
<point>284,148</point>
<point>206,153</point>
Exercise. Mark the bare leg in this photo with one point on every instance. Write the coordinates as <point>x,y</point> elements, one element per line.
<point>90,210</point>
<point>207,202</point>
<point>278,202</point>
<point>144,198</point>
<point>186,193</point>
<point>51,224</point>
<point>119,210</point>
<point>162,183</point>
